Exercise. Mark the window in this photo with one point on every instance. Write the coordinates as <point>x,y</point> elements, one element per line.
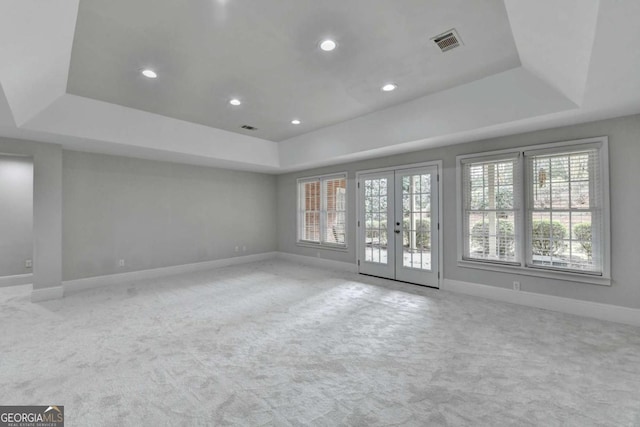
<point>322,210</point>
<point>491,209</point>
<point>542,210</point>
<point>565,209</point>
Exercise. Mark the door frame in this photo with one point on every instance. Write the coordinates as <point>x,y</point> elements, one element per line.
<point>438,164</point>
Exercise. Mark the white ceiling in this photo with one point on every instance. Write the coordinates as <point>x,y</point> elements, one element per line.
<point>525,65</point>
<point>266,54</point>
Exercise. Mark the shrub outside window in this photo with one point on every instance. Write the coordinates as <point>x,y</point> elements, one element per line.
<point>537,209</point>
<point>491,209</point>
<point>565,209</point>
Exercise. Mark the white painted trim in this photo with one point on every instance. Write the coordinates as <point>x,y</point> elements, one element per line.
<point>71,286</point>
<point>608,312</point>
<point>506,154</point>
<point>536,272</point>
<point>440,172</point>
<point>46,294</point>
<point>441,221</point>
<point>18,279</point>
<point>400,167</point>
<point>323,212</point>
<point>318,262</point>
<point>523,246</point>
<point>381,270</point>
<point>543,146</point>
<point>335,248</point>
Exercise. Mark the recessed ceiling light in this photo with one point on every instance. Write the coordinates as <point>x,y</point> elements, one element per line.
<point>295,122</point>
<point>389,87</point>
<point>235,102</point>
<point>149,73</point>
<point>328,45</point>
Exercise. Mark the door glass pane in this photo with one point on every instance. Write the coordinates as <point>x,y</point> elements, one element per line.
<point>375,204</point>
<point>416,221</point>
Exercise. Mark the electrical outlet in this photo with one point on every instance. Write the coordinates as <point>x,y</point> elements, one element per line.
<point>516,286</point>
<point>28,263</point>
<point>244,249</point>
<point>121,263</point>
<point>318,254</point>
<point>237,248</point>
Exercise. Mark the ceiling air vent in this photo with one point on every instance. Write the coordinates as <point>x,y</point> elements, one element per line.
<point>247,127</point>
<point>447,40</point>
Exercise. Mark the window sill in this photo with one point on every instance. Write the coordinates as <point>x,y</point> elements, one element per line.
<point>528,271</point>
<point>320,246</point>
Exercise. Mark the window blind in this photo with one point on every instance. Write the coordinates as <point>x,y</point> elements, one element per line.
<point>335,213</point>
<point>309,201</point>
<point>491,211</point>
<point>322,210</point>
<point>564,209</point>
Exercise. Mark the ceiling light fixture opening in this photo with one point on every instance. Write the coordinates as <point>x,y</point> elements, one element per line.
<point>328,45</point>
<point>389,87</point>
<point>235,102</point>
<point>149,73</point>
<point>295,122</point>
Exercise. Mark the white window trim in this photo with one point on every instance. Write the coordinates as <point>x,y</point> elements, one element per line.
<point>518,180</point>
<point>442,221</point>
<point>604,279</point>
<point>321,244</point>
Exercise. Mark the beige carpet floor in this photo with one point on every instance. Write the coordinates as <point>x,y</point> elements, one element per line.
<point>275,343</point>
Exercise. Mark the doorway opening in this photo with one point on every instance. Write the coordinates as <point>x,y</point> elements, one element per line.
<point>399,211</point>
<point>16,220</point>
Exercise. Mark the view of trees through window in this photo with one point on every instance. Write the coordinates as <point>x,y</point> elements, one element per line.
<point>563,222</point>
<point>562,206</point>
<point>416,219</point>
<point>375,223</point>
<point>491,210</point>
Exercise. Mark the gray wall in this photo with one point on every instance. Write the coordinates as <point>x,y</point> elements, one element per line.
<point>16,214</point>
<point>155,214</point>
<point>47,208</point>
<point>624,153</point>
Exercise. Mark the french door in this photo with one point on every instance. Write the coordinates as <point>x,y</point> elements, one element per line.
<point>398,230</point>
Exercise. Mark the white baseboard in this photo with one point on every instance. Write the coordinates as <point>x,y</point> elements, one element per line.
<point>612,313</point>
<point>18,279</point>
<point>318,262</point>
<point>71,286</point>
<point>46,294</point>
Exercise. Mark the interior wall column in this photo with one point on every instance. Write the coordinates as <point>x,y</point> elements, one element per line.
<point>47,223</point>
<point>47,214</point>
